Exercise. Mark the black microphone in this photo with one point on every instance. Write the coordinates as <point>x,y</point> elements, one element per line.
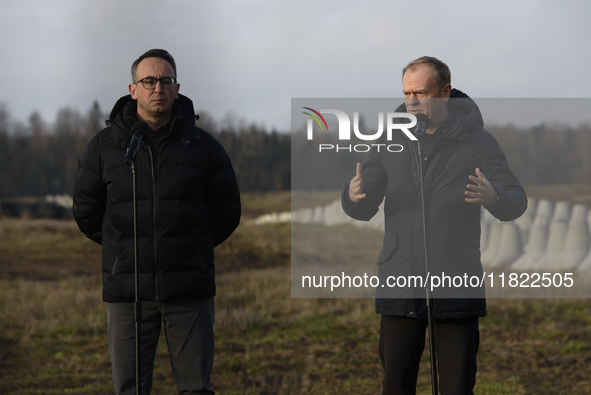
<point>422,125</point>
<point>137,129</point>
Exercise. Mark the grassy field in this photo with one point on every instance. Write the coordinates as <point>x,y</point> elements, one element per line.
<point>53,324</point>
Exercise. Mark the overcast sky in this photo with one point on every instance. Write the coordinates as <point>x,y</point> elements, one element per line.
<point>252,57</point>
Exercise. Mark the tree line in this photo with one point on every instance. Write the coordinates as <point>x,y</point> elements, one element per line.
<point>548,153</point>
<point>541,155</point>
<point>38,158</point>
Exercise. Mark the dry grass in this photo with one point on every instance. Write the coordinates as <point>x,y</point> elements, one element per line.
<point>45,250</point>
<point>43,307</point>
<point>53,325</point>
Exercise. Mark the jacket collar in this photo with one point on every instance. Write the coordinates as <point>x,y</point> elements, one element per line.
<point>123,116</point>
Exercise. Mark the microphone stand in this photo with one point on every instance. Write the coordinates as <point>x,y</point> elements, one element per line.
<point>130,157</point>
<point>428,292</point>
<point>137,305</point>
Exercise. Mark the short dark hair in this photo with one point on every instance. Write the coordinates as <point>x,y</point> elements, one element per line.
<point>442,72</point>
<point>153,53</point>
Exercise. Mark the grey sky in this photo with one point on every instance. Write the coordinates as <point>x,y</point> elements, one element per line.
<point>252,57</point>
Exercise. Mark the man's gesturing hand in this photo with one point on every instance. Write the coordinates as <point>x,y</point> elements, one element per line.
<point>356,186</point>
<point>482,193</point>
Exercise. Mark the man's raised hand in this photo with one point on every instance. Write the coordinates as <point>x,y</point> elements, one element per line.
<point>356,186</point>
<point>482,193</point>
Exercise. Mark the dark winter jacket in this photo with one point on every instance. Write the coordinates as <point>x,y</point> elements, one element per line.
<point>460,146</point>
<point>188,203</point>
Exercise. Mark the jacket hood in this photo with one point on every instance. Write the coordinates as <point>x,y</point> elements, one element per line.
<point>463,115</point>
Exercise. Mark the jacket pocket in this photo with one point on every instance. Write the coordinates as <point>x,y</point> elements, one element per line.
<point>198,250</point>
<point>112,252</point>
<point>465,252</point>
<point>389,248</point>
<point>117,255</point>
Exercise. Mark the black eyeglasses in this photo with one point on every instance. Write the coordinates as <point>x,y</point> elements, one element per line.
<point>150,82</point>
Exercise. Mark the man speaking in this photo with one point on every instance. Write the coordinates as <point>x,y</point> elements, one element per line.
<point>188,203</point>
<point>463,169</point>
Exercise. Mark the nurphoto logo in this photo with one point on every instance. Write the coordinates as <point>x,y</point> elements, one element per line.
<point>344,131</point>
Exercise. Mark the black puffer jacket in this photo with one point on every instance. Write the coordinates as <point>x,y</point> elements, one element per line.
<point>453,225</point>
<point>188,202</point>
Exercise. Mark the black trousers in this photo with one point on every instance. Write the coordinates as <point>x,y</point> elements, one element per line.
<point>402,341</point>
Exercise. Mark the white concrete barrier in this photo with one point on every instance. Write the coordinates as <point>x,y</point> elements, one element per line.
<point>509,248</point>
<point>556,237</point>
<point>577,242</point>
<point>526,220</point>
<point>333,213</point>
<point>302,216</point>
<point>318,215</point>
<point>486,218</point>
<point>584,268</point>
<point>494,242</point>
<point>537,239</point>
<point>556,240</point>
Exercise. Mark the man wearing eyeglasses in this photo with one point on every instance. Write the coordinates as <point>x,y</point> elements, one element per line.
<point>188,203</point>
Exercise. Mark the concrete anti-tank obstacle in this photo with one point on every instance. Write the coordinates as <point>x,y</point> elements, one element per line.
<point>377,222</point>
<point>584,268</point>
<point>333,213</point>
<point>284,216</point>
<point>270,218</point>
<point>318,215</point>
<point>556,237</point>
<point>493,244</point>
<point>510,247</point>
<point>486,218</point>
<point>576,244</point>
<point>302,216</point>
<point>537,239</point>
<point>501,243</point>
<point>526,220</point>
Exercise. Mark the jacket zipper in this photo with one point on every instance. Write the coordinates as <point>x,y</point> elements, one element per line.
<point>152,162</point>
<point>418,164</point>
<point>156,275</point>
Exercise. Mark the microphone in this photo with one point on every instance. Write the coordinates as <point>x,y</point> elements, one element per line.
<point>134,144</point>
<point>422,125</point>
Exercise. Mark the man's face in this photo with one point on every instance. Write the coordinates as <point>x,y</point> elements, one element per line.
<point>156,102</point>
<point>423,95</point>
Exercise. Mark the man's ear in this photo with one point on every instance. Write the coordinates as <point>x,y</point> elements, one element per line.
<point>132,91</point>
<point>445,92</point>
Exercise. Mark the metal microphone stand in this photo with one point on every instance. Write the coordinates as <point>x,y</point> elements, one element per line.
<point>130,158</point>
<point>428,292</point>
<point>137,305</point>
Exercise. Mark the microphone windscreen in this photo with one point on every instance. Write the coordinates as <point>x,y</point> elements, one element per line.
<point>140,126</point>
<point>422,118</point>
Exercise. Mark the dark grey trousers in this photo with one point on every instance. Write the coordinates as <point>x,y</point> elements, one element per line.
<point>188,326</point>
